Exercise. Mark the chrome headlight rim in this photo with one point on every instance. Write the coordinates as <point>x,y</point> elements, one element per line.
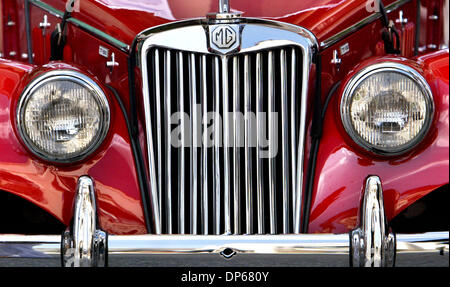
<point>371,70</point>
<point>76,77</point>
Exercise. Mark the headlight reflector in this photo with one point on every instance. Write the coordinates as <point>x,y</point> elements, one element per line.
<point>63,116</point>
<point>387,108</point>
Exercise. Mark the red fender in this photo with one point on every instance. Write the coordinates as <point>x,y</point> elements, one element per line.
<point>342,166</point>
<point>51,186</point>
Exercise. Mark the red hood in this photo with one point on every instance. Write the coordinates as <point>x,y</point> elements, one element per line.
<point>123,19</point>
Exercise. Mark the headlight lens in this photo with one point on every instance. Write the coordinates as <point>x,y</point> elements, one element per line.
<point>63,116</point>
<point>387,108</point>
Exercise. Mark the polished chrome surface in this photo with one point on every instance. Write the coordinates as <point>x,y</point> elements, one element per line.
<point>422,242</point>
<point>237,136</point>
<point>285,140</point>
<point>48,246</point>
<point>204,177</point>
<point>261,244</point>
<point>112,63</point>
<point>181,151</point>
<point>372,245</point>
<point>380,68</point>
<point>83,244</point>
<point>271,111</point>
<point>168,151</point>
<point>294,125</point>
<point>155,199</point>
<point>239,81</point>
<point>217,144</point>
<point>259,130</point>
<point>224,6</point>
<point>226,144</point>
<point>84,81</point>
<point>157,90</point>
<point>248,150</point>
<point>193,149</point>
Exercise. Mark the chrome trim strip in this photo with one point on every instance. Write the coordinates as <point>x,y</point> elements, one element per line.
<point>272,135</point>
<point>157,90</point>
<point>193,149</point>
<point>285,139</point>
<point>168,154</point>
<point>307,54</point>
<point>248,150</point>
<point>352,29</point>
<point>259,109</point>
<point>85,27</point>
<point>150,150</point>
<point>204,182</point>
<point>181,151</point>
<point>226,145</point>
<point>236,152</point>
<point>293,130</point>
<point>217,145</point>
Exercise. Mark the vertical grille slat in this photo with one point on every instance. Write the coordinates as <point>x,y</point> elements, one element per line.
<point>204,177</point>
<point>241,178</point>
<point>248,150</point>
<point>181,150</point>
<point>236,146</point>
<point>156,68</point>
<point>226,143</point>
<point>167,129</point>
<point>271,135</point>
<point>284,142</point>
<point>293,132</point>
<point>217,144</point>
<point>193,142</point>
<point>259,131</point>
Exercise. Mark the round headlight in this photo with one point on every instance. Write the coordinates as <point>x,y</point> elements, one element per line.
<point>387,108</point>
<point>63,116</point>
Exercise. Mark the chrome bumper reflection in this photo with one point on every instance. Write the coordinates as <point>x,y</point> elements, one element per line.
<point>335,246</point>
<point>83,244</point>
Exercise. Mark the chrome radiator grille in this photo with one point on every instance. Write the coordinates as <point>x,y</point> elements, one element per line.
<point>225,138</point>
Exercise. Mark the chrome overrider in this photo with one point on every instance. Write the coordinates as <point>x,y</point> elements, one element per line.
<point>84,244</point>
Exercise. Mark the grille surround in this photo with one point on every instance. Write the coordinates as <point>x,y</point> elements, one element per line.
<point>193,36</point>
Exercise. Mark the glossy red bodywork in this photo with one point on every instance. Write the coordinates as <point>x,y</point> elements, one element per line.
<point>341,165</point>
<point>52,186</point>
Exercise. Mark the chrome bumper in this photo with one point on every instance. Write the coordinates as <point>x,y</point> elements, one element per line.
<point>83,244</point>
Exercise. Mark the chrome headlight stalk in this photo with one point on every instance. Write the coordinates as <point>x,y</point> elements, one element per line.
<point>63,116</point>
<point>387,108</point>
<point>372,244</point>
<point>83,244</point>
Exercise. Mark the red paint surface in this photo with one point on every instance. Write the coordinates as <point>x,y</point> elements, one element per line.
<point>125,18</point>
<point>51,186</point>
<point>342,166</point>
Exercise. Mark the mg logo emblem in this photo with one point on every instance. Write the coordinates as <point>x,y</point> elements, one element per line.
<point>223,37</point>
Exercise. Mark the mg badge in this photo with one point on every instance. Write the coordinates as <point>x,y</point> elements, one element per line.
<point>223,37</point>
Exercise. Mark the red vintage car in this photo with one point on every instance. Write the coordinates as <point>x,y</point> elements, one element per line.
<point>131,128</point>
